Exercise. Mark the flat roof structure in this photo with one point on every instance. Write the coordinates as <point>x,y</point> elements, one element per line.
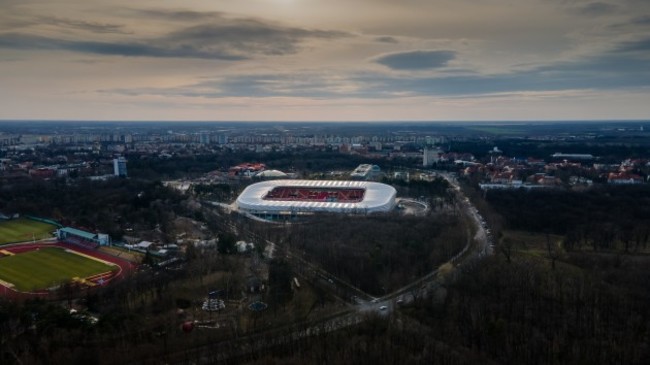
<point>365,171</point>
<point>79,233</point>
<point>73,235</point>
<point>310,196</point>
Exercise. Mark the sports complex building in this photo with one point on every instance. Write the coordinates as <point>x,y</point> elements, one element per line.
<point>82,238</point>
<point>288,198</point>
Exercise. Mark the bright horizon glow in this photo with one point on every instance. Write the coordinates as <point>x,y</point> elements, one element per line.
<point>308,60</point>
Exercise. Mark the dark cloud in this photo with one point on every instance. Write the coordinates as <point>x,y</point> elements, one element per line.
<point>638,21</point>
<point>178,15</point>
<point>23,41</point>
<point>596,9</point>
<point>228,39</point>
<point>623,67</point>
<point>248,36</point>
<point>93,27</point>
<point>310,85</point>
<point>316,86</point>
<point>613,70</point>
<point>640,45</point>
<point>608,72</point>
<point>641,20</point>
<point>386,39</point>
<point>416,60</point>
<point>216,29</point>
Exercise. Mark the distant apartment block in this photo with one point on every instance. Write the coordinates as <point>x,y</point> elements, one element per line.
<point>430,156</point>
<point>119,167</point>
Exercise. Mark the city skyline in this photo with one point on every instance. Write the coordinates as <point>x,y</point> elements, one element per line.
<point>291,60</point>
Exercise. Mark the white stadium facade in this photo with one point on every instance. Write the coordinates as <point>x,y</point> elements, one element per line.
<point>287,198</point>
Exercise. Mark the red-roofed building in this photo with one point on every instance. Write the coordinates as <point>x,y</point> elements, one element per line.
<point>246,169</point>
<point>624,178</point>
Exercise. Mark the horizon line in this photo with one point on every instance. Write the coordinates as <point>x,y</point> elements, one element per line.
<point>328,121</point>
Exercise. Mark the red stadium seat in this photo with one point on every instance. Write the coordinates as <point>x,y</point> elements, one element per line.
<point>315,194</point>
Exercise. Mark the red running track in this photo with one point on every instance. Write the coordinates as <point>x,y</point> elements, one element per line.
<point>125,267</point>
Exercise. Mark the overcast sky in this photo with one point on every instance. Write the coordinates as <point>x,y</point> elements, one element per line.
<point>338,60</point>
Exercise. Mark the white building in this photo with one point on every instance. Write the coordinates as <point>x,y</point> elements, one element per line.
<point>430,156</point>
<point>119,167</point>
<point>366,172</point>
<point>280,198</point>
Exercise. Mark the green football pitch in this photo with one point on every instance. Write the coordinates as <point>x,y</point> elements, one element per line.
<point>22,229</point>
<point>47,267</point>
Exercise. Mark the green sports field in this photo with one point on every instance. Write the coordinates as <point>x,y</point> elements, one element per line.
<point>46,267</point>
<point>22,229</point>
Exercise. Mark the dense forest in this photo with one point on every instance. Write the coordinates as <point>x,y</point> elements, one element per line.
<point>107,206</point>
<point>378,254</point>
<point>600,218</point>
<point>499,312</point>
<point>606,149</point>
<point>196,165</point>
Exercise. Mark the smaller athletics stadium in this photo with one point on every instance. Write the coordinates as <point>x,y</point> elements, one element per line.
<point>282,198</point>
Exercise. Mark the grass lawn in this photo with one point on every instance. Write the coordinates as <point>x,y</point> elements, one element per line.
<point>18,230</point>
<point>47,267</point>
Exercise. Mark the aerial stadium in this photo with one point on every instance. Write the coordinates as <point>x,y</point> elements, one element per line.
<point>290,198</point>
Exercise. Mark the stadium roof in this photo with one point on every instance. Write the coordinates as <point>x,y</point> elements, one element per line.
<point>377,197</point>
<point>271,173</point>
<point>80,233</point>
